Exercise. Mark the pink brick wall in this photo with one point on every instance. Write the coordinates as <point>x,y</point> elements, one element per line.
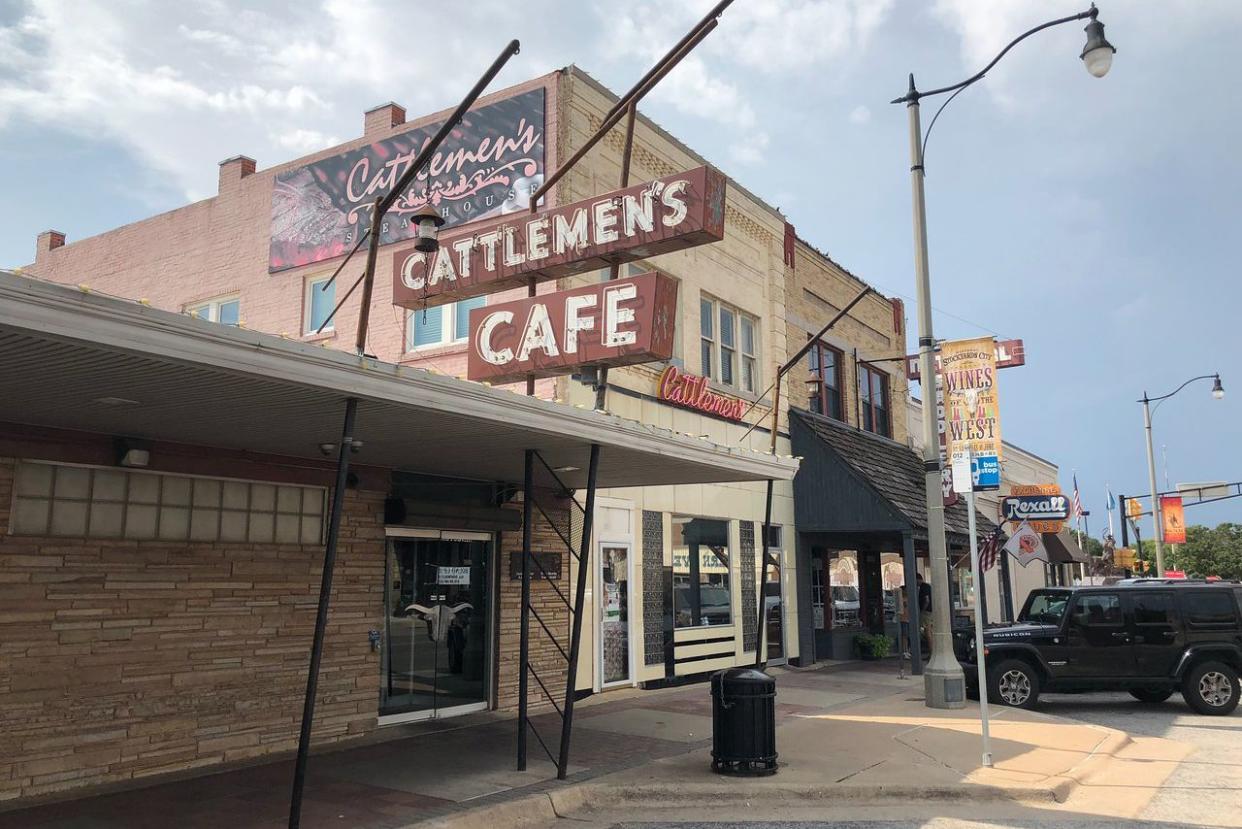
<point>219,246</point>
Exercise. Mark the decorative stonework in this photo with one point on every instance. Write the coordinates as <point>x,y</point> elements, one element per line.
<point>750,631</point>
<point>653,587</point>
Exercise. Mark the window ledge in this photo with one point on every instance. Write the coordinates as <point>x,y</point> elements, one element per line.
<point>318,338</point>
<point>424,352</point>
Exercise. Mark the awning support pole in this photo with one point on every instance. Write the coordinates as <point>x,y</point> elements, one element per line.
<point>528,514</point>
<point>575,642</point>
<point>321,617</point>
<point>760,660</point>
<point>912,604</point>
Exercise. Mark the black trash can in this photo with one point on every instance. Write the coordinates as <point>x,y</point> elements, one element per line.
<point>743,722</point>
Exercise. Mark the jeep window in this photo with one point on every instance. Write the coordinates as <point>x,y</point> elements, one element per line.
<point>1153,609</point>
<point>1209,608</point>
<point>1044,608</point>
<point>1095,610</point>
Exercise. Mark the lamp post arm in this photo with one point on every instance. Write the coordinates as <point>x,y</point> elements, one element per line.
<point>1146,399</point>
<point>914,94</point>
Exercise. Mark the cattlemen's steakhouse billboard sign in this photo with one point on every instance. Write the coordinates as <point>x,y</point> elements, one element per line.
<point>667,214</point>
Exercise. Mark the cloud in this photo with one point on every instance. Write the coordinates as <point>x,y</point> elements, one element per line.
<point>860,114</point>
<point>776,38</point>
<point>305,141</point>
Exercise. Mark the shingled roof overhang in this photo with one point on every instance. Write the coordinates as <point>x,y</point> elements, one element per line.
<point>857,485</point>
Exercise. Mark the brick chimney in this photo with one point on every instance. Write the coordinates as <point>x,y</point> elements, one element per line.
<point>233,170</point>
<point>380,120</point>
<point>48,241</point>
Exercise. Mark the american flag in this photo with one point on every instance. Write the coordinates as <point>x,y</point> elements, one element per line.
<point>989,553</point>
<point>1077,501</point>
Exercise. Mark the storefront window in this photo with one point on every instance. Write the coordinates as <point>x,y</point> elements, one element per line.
<point>893,578</point>
<point>846,601</point>
<point>701,572</point>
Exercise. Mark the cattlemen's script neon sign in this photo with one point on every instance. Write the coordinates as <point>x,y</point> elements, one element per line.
<point>691,391</point>
<point>667,214</point>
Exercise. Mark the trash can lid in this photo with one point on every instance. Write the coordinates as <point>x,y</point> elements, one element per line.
<point>735,677</point>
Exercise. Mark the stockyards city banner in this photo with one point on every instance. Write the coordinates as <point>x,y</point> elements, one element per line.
<point>972,409</point>
<point>487,167</point>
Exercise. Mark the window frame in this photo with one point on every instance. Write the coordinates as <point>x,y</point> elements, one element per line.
<point>212,306</point>
<point>714,340</point>
<point>448,322</point>
<point>838,356</point>
<point>309,329</point>
<point>867,403</point>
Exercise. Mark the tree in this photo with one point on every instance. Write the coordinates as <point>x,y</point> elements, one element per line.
<point>1211,552</point>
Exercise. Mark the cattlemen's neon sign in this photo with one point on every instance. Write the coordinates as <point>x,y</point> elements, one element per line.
<point>667,214</point>
<point>691,391</point>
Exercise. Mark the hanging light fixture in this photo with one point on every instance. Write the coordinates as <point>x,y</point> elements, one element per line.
<point>1218,391</point>
<point>428,222</point>
<point>1097,55</point>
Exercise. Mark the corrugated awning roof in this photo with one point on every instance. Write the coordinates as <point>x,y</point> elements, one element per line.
<point>65,352</point>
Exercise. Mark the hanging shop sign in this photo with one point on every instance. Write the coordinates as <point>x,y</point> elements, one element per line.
<point>487,167</point>
<point>617,323</point>
<point>667,214</point>
<point>1035,508</point>
<point>1172,519</point>
<point>972,408</point>
<point>1026,545</point>
<point>1042,506</point>
<point>691,391</point>
<point>1009,353</point>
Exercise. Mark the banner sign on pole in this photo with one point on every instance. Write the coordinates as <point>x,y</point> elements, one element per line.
<point>1172,519</point>
<point>1026,545</point>
<point>972,407</point>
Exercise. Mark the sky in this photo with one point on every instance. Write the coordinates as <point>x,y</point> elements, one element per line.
<point>1090,217</point>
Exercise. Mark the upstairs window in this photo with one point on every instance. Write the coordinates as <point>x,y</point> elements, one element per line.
<point>441,325</point>
<point>873,401</point>
<point>729,345</point>
<point>224,310</point>
<point>825,363</point>
<point>317,305</point>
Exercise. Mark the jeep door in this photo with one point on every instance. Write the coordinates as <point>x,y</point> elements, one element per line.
<point>1097,640</point>
<point>1156,629</point>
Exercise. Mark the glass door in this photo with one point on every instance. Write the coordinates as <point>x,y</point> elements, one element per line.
<point>436,619</point>
<point>614,615</point>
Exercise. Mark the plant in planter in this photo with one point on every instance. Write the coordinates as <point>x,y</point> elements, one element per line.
<point>872,646</point>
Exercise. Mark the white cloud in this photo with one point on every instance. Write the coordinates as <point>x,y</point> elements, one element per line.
<point>860,114</point>
<point>771,37</point>
<point>750,150</point>
<point>305,141</point>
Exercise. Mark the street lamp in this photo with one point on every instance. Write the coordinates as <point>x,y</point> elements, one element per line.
<point>427,221</point>
<point>943,681</point>
<point>1218,393</point>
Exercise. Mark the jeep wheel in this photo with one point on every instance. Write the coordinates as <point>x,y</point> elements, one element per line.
<point>1211,688</point>
<point>1151,696</point>
<point>1013,683</point>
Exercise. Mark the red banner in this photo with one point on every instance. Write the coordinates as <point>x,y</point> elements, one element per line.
<point>1172,519</point>
<point>617,323</point>
<point>670,213</point>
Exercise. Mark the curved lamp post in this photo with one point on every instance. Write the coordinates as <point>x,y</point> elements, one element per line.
<point>944,682</point>
<point>1218,393</point>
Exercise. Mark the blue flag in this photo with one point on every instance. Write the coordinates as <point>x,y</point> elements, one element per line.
<point>1112,504</point>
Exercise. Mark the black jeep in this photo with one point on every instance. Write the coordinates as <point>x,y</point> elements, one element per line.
<point>1150,637</point>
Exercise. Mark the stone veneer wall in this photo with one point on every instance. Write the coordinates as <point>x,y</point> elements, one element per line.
<point>121,660</point>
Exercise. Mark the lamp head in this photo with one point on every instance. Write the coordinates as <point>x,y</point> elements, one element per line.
<point>1097,55</point>
<point>1218,391</point>
<point>427,221</point>
<point>814,383</point>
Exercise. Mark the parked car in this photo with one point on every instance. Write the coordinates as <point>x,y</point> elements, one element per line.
<point>1150,637</point>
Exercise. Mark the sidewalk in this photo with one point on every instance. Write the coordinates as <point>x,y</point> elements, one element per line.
<point>850,731</point>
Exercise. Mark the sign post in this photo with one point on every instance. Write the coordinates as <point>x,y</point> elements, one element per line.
<point>964,483</point>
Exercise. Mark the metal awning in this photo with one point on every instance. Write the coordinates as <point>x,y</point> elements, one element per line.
<point>73,359</point>
<point>1062,549</point>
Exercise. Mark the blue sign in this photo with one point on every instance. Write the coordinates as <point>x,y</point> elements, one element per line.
<point>985,472</point>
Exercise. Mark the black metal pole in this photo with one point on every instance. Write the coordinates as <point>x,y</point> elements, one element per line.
<point>1006,586</point>
<point>321,617</point>
<point>912,604</point>
<point>760,615</point>
<point>1125,535</point>
<point>528,486</point>
<point>575,641</point>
